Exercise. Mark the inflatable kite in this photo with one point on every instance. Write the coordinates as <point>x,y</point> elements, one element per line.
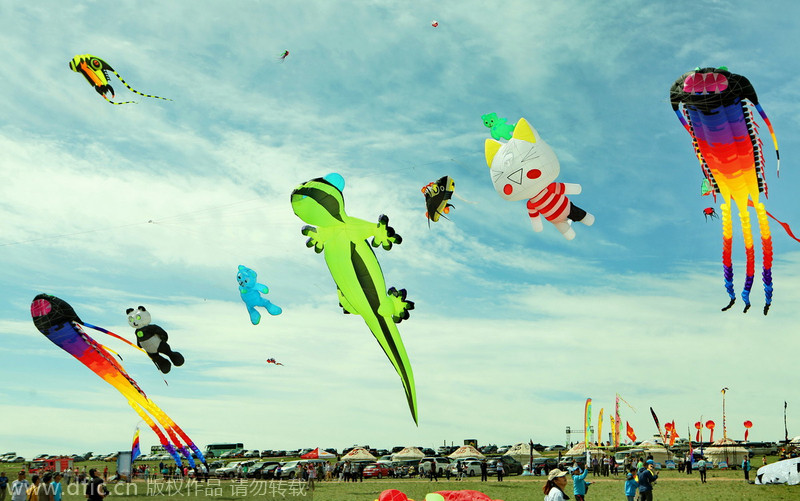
<point>250,291</point>
<point>153,339</point>
<point>95,70</point>
<point>525,168</point>
<point>359,279</point>
<point>56,319</point>
<point>498,126</point>
<point>726,143</point>
<point>786,471</point>
<point>437,198</point>
<point>465,495</point>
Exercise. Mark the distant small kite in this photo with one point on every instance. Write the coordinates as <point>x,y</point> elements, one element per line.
<point>272,361</point>
<point>283,56</point>
<point>95,71</point>
<point>709,212</point>
<point>435,23</point>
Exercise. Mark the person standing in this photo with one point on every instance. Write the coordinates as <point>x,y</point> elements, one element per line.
<point>500,470</point>
<point>95,490</point>
<point>3,485</point>
<point>433,474</point>
<point>579,484</point>
<point>33,490</point>
<point>701,468</point>
<point>746,468</point>
<point>57,491</point>
<point>631,486</point>
<point>19,487</point>
<point>647,477</point>
<point>554,487</point>
<point>484,471</point>
<point>45,490</point>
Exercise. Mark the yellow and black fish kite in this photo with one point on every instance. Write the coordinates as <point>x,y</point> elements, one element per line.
<point>95,71</point>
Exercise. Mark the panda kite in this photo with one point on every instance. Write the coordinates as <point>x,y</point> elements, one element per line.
<point>153,339</point>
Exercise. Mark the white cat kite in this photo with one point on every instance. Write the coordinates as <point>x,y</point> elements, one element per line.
<point>526,168</point>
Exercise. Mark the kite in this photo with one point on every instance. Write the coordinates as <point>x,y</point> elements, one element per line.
<point>435,23</point>
<point>699,427</point>
<point>250,291</point>
<point>747,425</point>
<point>95,70</point>
<point>725,139</point>
<point>710,425</point>
<point>464,495</point>
<point>525,168</point>
<point>709,212</point>
<point>360,284</point>
<point>273,361</point>
<point>658,425</point>
<point>498,126</point>
<point>283,56</point>
<point>437,198</point>
<point>153,339</point>
<point>56,319</point>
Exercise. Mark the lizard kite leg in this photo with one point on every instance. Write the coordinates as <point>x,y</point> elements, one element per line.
<point>747,233</point>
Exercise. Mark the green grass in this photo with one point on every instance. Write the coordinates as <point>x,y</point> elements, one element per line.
<point>671,486</point>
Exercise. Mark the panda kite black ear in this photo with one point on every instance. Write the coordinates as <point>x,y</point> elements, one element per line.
<point>128,311</point>
<point>141,308</point>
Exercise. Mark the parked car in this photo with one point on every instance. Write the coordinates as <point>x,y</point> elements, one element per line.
<point>268,471</point>
<point>425,464</point>
<point>510,465</point>
<point>255,471</point>
<point>557,447</point>
<point>291,469</point>
<point>214,466</point>
<point>428,451</point>
<point>378,470</point>
<point>488,449</point>
<point>253,453</point>
<point>473,467</point>
<point>230,470</point>
<point>542,465</point>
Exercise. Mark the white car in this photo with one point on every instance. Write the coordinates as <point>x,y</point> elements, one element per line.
<point>473,467</point>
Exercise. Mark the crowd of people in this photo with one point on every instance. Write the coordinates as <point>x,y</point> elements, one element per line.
<point>49,487</point>
<point>638,481</point>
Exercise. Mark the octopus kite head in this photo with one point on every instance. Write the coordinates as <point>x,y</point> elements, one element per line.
<point>95,70</point>
<point>138,317</point>
<point>523,166</point>
<point>320,201</point>
<point>48,311</point>
<point>709,88</point>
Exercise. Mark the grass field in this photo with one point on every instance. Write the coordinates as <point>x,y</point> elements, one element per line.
<point>671,486</point>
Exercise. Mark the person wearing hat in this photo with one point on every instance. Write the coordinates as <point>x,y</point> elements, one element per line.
<point>631,486</point>
<point>647,477</point>
<point>554,487</point>
<point>579,484</point>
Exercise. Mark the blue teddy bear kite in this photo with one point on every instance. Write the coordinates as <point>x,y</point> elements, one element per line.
<point>251,291</point>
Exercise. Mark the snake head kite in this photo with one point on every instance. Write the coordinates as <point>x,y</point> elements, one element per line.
<point>95,70</point>
<point>726,142</point>
<point>354,267</point>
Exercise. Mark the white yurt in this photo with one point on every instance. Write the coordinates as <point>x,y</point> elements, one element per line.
<point>726,450</point>
<point>522,452</point>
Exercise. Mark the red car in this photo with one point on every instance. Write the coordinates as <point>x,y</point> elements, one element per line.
<point>379,470</point>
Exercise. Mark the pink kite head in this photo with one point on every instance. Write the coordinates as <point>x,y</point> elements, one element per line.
<point>705,83</point>
<point>40,307</point>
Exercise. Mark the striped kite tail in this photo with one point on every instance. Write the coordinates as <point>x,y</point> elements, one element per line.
<point>747,233</point>
<point>727,241</point>
<point>112,102</point>
<point>766,246</point>
<point>135,91</point>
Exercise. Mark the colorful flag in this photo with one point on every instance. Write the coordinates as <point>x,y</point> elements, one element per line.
<point>614,437</point>
<point>631,434</point>
<point>600,427</point>
<point>135,451</point>
<point>587,418</point>
<point>673,435</point>
<point>658,425</point>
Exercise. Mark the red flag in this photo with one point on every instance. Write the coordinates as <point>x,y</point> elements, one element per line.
<point>673,435</point>
<point>629,432</point>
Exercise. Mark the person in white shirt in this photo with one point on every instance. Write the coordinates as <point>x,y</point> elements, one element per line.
<point>554,487</point>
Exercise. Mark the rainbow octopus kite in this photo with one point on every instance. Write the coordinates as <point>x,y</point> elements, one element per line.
<point>726,143</point>
<point>355,269</point>
<point>95,70</point>
<point>56,319</point>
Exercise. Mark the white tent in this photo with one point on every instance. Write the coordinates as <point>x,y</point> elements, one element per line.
<point>358,454</point>
<point>782,472</point>
<point>580,450</point>
<point>408,453</point>
<point>726,450</point>
<point>466,451</point>
<point>522,452</point>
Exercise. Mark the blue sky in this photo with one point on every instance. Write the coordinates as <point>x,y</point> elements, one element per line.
<point>110,207</point>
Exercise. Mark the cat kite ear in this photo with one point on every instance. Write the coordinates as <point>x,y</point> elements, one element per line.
<point>491,149</point>
<point>524,131</point>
